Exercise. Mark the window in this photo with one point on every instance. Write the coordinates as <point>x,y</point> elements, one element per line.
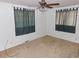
<point>66,20</point>
<point>24,21</point>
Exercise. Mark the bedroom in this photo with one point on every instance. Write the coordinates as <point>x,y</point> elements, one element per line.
<point>44,32</point>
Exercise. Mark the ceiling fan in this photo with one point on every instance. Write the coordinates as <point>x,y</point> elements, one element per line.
<point>44,4</point>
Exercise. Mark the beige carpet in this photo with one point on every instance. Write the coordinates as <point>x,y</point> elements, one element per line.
<point>46,47</point>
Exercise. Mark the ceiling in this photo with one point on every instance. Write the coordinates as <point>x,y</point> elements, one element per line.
<point>34,3</point>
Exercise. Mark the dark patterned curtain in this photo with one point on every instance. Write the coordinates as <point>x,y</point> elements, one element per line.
<point>66,20</point>
<point>24,21</point>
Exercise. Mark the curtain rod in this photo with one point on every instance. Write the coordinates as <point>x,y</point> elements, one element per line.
<point>23,8</point>
<point>67,9</point>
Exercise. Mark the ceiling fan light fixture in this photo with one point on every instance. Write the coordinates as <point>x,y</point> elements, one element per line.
<point>43,9</point>
<point>44,5</point>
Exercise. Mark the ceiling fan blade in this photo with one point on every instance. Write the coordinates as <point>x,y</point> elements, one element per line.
<point>53,4</point>
<point>48,6</point>
<point>40,3</point>
<point>42,0</point>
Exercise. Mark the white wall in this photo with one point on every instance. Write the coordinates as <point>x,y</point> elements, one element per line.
<point>50,17</point>
<point>7,27</point>
<point>45,25</point>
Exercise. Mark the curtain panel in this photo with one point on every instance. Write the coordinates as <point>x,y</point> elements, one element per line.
<point>24,21</point>
<point>66,20</point>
